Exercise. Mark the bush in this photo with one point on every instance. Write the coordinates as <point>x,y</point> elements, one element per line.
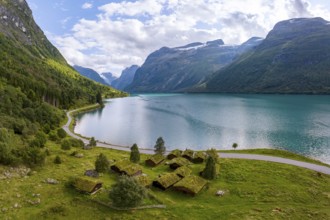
<point>58,160</point>
<point>66,144</point>
<point>33,157</point>
<point>127,193</point>
<point>92,142</point>
<point>77,143</point>
<point>210,171</point>
<point>102,164</point>
<point>135,154</point>
<point>235,145</point>
<point>61,133</point>
<point>53,136</point>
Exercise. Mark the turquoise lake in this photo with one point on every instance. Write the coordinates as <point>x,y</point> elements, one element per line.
<point>298,123</point>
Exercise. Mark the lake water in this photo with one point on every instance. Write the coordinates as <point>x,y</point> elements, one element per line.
<point>297,123</point>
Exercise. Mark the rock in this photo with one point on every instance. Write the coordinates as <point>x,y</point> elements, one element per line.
<point>220,193</point>
<point>34,202</point>
<point>16,206</point>
<point>79,155</point>
<point>4,209</point>
<point>92,173</point>
<point>18,195</point>
<point>36,195</point>
<point>51,181</point>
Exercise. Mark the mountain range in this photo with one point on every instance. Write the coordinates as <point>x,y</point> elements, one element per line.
<point>293,58</point>
<point>179,68</point>
<point>91,74</point>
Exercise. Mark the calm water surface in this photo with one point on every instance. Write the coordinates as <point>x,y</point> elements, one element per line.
<point>200,121</point>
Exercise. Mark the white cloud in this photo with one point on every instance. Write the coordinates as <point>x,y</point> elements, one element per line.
<point>87,5</point>
<point>124,33</point>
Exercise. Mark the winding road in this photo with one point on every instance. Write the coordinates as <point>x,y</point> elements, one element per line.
<point>311,166</point>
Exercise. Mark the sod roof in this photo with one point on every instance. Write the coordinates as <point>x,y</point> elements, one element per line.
<point>191,184</point>
<point>143,180</point>
<point>180,161</point>
<point>176,153</point>
<point>188,153</point>
<point>157,158</point>
<point>199,154</point>
<point>183,171</point>
<point>127,167</point>
<point>86,184</point>
<point>168,179</point>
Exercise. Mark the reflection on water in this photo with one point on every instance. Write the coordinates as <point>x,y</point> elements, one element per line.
<point>200,121</point>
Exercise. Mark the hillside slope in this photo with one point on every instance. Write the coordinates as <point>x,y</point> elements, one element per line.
<point>294,58</point>
<point>90,74</point>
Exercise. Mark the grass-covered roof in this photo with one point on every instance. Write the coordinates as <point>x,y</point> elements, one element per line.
<point>157,158</point>
<point>188,153</point>
<point>183,171</point>
<point>86,184</point>
<point>168,179</point>
<point>175,153</point>
<point>179,161</point>
<point>143,180</point>
<point>127,167</point>
<point>199,154</point>
<point>191,184</point>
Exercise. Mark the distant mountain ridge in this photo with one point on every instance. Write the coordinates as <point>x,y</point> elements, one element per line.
<point>180,68</point>
<point>294,58</point>
<point>125,78</point>
<point>108,77</point>
<point>91,74</point>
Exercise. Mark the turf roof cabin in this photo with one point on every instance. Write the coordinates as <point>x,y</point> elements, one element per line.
<point>188,154</point>
<point>191,185</point>
<point>155,160</point>
<point>87,185</point>
<point>183,171</point>
<point>166,181</point>
<point>127,168</point>
<point>174,154</point>
<point>143,180</point>
<point>178,162</point>
<point>199,157</point>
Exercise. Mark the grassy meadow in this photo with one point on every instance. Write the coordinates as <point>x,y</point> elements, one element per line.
<point>253,190</point>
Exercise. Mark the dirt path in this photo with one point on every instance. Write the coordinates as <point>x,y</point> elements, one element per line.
<point>311,166</point>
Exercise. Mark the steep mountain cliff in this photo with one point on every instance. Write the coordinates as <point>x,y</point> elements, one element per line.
<point>294,58</point>
<point>125,78</point>
<point>90,74</point>
<point>176,69</point>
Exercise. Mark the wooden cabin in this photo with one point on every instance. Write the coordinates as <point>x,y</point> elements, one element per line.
<point>143,180</point>
<point>191,185</point>
<point>174,154</point>
<point>166,181</point>
<point>155,160</point>
<point>87,185</point>
<point>127,168</point>
<point>199,157</point>
<point>188,154</point>
<point>178,162</point>
<point>183,171</point>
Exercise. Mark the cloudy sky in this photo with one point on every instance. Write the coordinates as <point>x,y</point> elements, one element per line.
<point>111,35</point>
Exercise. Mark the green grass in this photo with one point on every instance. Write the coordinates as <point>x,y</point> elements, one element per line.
<point>254,190</point>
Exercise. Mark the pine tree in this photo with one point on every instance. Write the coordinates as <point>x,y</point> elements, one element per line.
<point>135,154</point>
<point>58,160</point>
<point>209,171</point>
<point>92,142</point>
<point>127,193</point>
<point>160,146</point>
<point>102,164</point>
<point>99,98</point>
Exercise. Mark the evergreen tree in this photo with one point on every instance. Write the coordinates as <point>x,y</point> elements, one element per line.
<point>209,171</point>
<point>135,154</point>
<point>99,98</point>
<point>235,145</point>
<point>102,164</point>
<point>127,193</point>
<point>92,142</point>
<point>160,146</point>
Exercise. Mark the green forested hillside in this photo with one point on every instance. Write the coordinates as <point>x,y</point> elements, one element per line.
<point>35,84</point>
<point>294,58</point>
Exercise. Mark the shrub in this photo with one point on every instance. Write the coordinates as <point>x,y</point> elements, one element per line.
<point>210,171</point>
<point>58,160</point>
<point>92,142</point>
<point>127,193</point>
<point>66,144</point>
<point>61,133</point>
<point>102,164</point>
<point>33,157</point>
<point>235,145</point>
<point>53,136</point>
